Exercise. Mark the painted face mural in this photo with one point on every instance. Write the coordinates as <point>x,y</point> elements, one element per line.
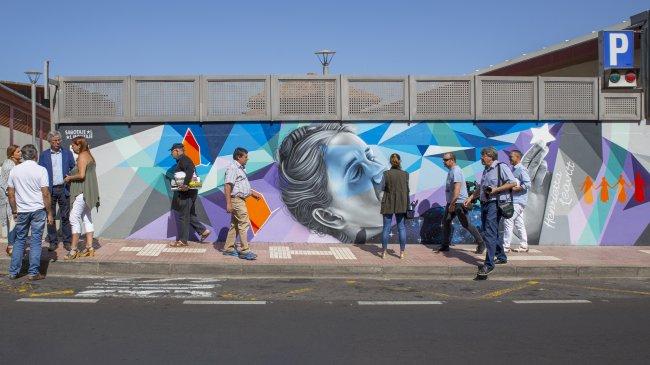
<point>590,181</point>
<point>331,180</point>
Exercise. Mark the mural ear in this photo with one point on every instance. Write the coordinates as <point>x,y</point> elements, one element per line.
<point>327,218</point>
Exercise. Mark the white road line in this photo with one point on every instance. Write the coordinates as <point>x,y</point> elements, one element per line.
<point>399,302</point>
<point>533,258</point>
<point>57,300</point>
<point>644,251</point>
<point>552,301</point>
<point>258,302</point>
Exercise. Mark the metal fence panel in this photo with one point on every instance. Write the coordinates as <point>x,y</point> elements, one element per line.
<point>306,98</point>
<point>620,106</point>
<point>164,98</point>
<point>568,98</point>
<point>375,98</point>
<point>232,98</point>
<point>506,98</point>
<point>94,99</point>
<point>442,98</point>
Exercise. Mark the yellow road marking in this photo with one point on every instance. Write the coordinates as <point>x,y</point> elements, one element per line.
<point>298,291</point>
<point>502,292</point>
<point>600,289</point>
<point>53,293</point>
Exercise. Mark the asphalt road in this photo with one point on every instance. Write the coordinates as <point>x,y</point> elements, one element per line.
<point>323,321</point>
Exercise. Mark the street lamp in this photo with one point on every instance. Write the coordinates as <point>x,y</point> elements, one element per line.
<point>325,57</point>
<point>33,79</point>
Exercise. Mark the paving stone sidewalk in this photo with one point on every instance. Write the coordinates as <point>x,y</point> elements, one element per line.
<point>155,258</point>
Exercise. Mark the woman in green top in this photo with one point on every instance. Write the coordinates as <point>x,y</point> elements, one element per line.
<point>395,201</point>
<point>84,195</point>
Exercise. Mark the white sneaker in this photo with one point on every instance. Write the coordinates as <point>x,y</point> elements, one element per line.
<point>520,250</point>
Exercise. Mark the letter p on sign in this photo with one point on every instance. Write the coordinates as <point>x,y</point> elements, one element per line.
<point>618,44</point>
<point>618,49</point>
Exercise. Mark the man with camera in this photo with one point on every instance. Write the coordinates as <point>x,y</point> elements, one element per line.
<point>496,183</point>
<point>456,193</point>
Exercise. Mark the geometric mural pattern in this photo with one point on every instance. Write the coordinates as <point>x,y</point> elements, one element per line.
<point>591,184</point>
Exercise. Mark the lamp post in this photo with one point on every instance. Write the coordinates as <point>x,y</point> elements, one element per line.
<point>325,57</point>
<point>33,79</point>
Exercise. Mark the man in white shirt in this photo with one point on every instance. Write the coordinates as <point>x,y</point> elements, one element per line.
<point>28,189</point>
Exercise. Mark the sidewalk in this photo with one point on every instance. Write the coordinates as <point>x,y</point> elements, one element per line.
<point>155,258</point>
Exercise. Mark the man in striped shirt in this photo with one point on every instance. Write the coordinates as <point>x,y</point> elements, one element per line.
<point>237,189</point>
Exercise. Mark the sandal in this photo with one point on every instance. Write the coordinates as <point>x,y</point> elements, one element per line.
<point>73,254</point>
<point>177,244</point>
<point>88,252</point>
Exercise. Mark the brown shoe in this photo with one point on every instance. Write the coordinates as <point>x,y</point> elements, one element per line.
<point>35,277</point>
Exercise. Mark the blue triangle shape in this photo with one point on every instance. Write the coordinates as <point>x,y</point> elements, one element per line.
<point>374,135</point>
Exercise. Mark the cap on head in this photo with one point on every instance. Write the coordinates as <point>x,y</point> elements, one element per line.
<point>176,145</point>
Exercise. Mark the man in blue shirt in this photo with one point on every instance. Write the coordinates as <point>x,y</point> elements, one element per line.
<point>456,193</point>
<point>519,200</point>
<point>58,162</point>
<point>496,182</point>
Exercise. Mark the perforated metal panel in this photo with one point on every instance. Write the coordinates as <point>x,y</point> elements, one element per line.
<point>166,99</point>
<point>442,99</point>
<point>569,98</point>
<point>506,98</point>
<point>93,99</point>
<point>232,99</point>
<point>309,98</point>
<point>620,106</point>
<point>381,98</point>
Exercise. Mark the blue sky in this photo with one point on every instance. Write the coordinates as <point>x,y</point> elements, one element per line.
<point>279,37</point>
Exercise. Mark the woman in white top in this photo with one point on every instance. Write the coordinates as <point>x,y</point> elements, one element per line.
<point>6,218</point>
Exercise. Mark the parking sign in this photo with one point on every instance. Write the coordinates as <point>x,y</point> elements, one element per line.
<point>618,49</point>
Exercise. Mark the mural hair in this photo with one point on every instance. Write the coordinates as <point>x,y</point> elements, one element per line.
<point>303,174</point>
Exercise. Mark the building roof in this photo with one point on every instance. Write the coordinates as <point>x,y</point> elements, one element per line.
<point>570,52</point>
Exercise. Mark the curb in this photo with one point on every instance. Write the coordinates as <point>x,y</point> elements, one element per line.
<point>170,269</point>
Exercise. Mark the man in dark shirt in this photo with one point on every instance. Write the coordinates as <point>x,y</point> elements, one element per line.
<point>185,199</point>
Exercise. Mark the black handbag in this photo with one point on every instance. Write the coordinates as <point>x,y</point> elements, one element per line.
<point>410,211</point>
<point>507,208</point>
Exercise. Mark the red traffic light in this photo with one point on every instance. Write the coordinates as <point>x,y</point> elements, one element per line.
<point>630,77</point>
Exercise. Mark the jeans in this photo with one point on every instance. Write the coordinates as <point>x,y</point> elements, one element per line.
<point>59,197</point>
<point>35,220</point>
<point>401,229</point>
<point>461,213</point>
<point>490,217</point>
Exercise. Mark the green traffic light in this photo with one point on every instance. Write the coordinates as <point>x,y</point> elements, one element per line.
<point>614,77</point>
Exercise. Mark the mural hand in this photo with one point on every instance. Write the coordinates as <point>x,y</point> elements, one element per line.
<point>537,168</point>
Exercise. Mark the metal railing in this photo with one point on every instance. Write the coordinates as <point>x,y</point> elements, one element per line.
<point>135,99</point>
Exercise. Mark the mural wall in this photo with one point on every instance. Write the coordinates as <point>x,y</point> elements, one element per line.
<point>321,181</point>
